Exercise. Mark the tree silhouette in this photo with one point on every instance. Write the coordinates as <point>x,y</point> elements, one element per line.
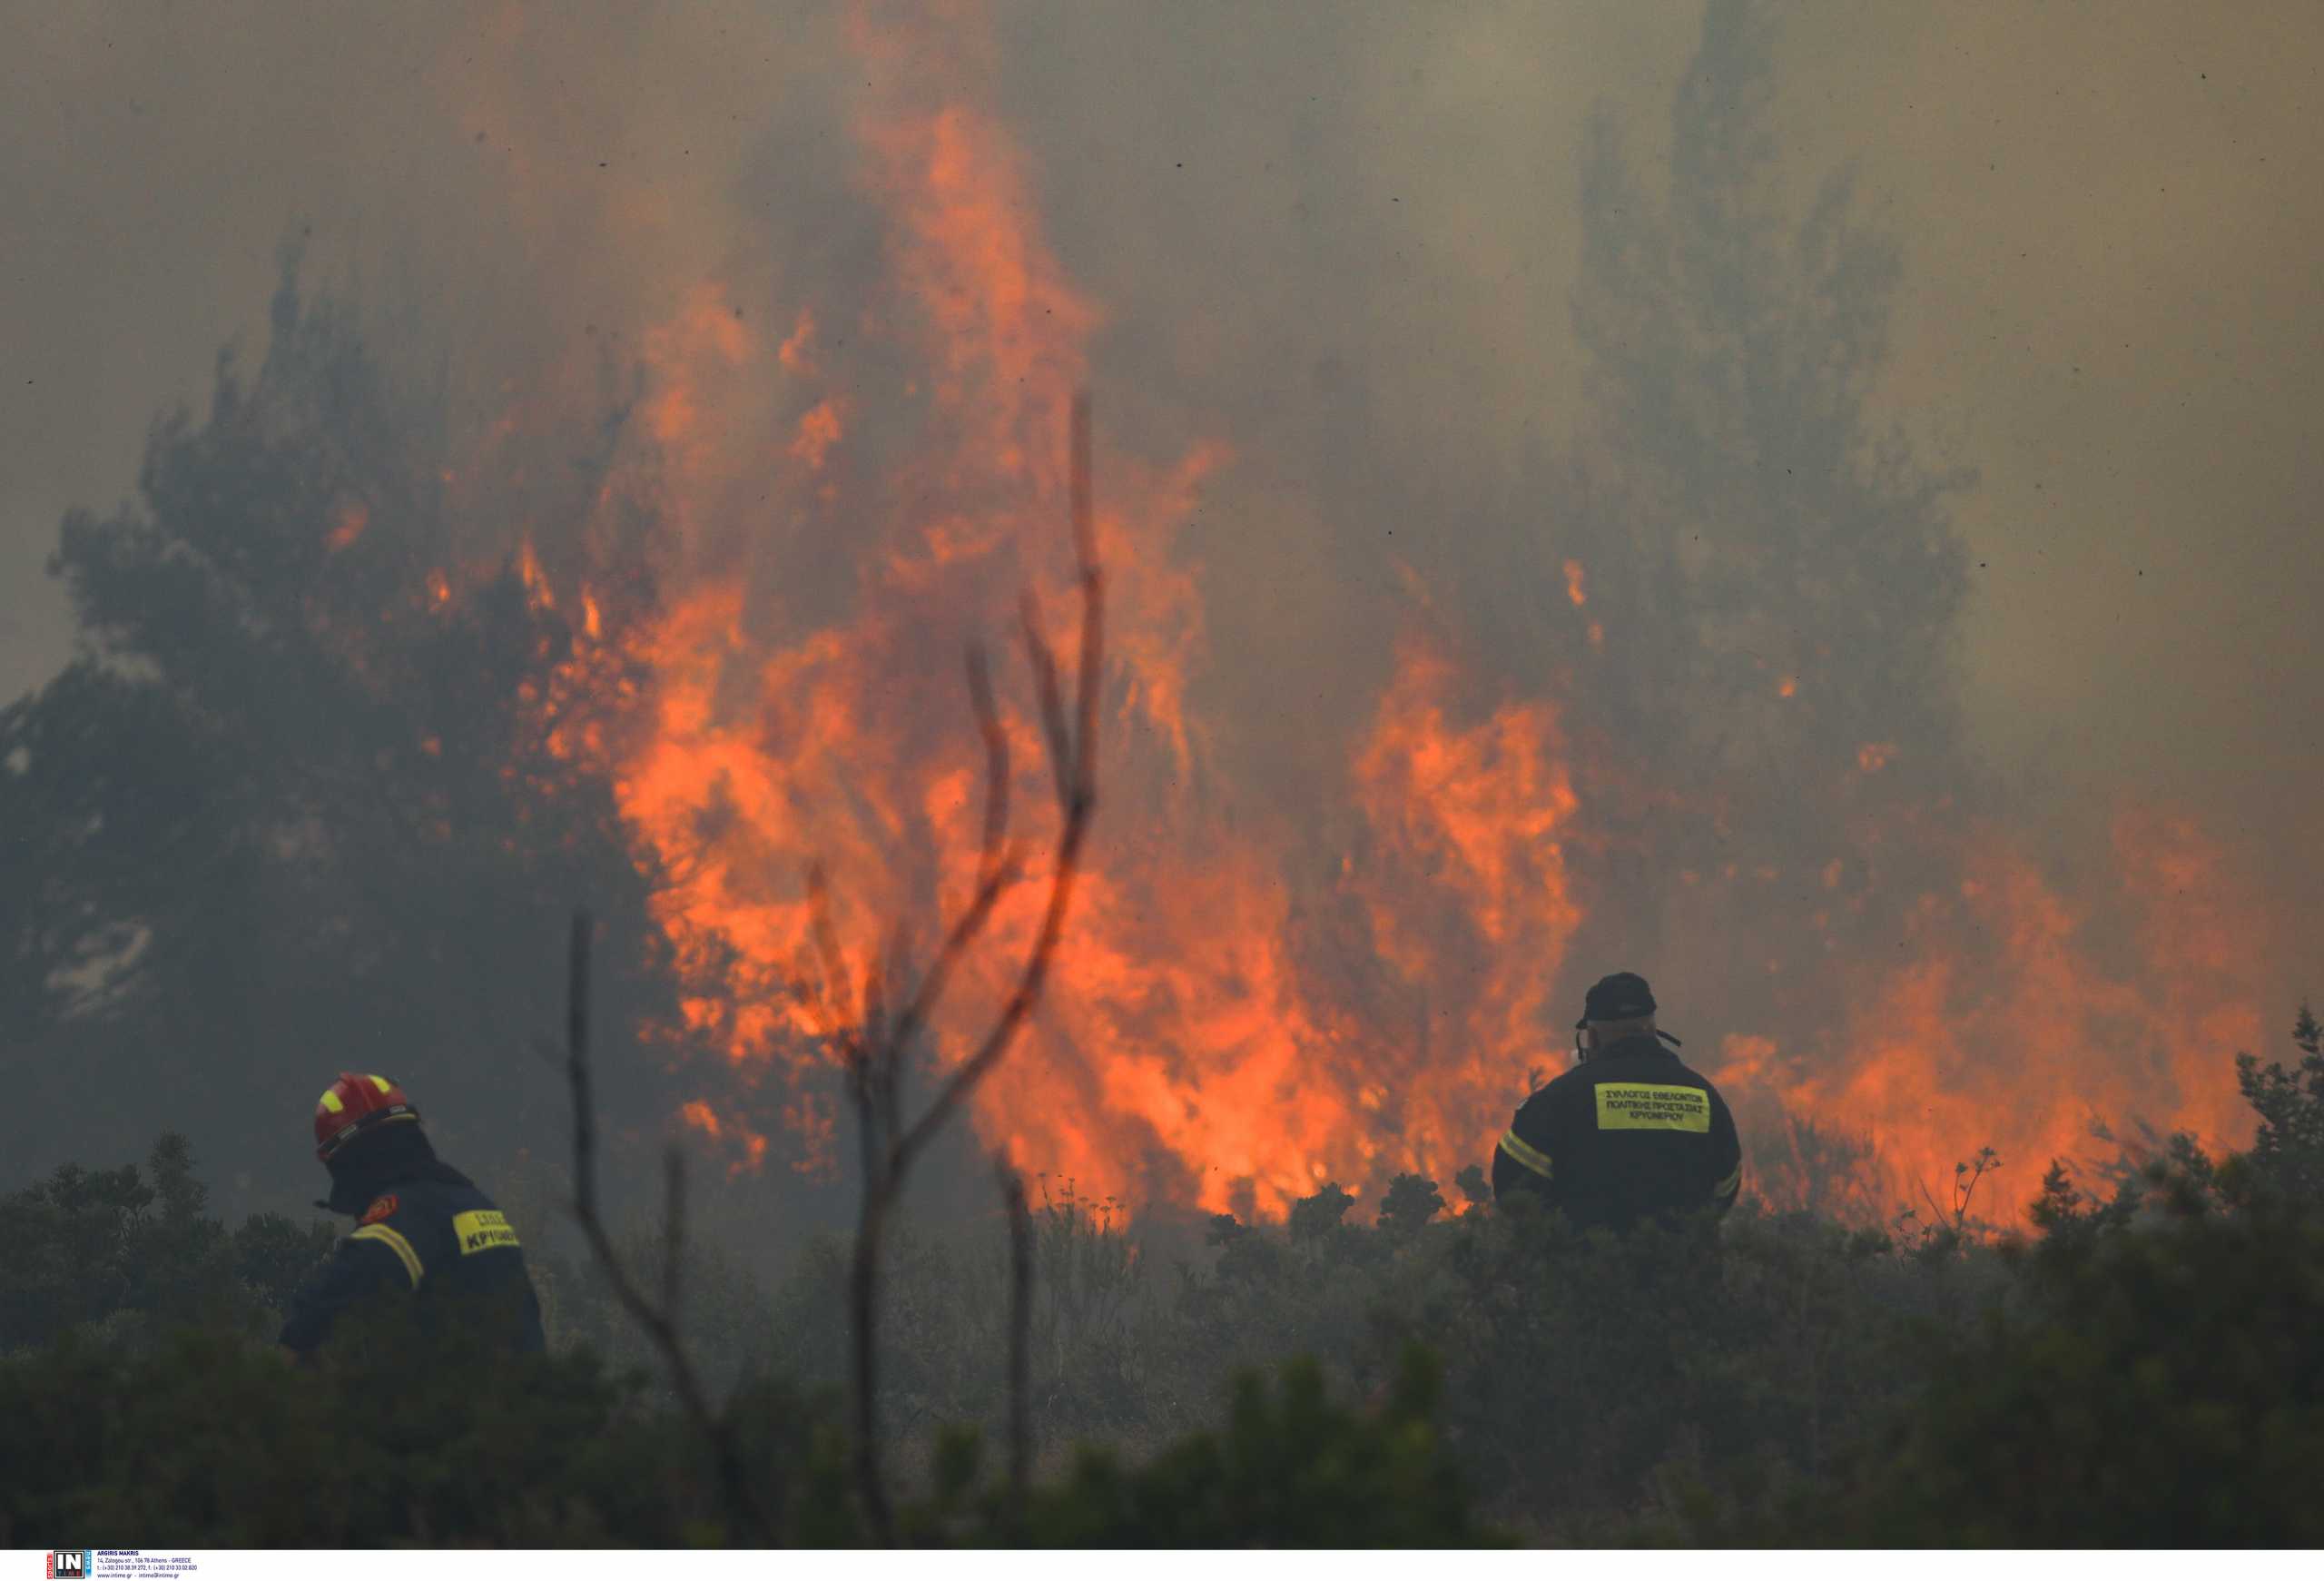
<point>1772,571</point>
<point>295,807</point>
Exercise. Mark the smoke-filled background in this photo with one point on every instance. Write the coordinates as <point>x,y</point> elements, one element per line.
<point>1814,506</point>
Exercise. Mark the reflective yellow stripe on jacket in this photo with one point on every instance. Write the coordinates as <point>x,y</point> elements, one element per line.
<point>1526,1154</point>
<point>395,1243</point>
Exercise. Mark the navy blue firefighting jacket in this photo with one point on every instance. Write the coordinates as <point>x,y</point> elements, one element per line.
<point>1630,1133</point>
<point>428,1232</point>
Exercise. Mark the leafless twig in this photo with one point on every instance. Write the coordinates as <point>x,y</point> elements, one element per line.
<point>660,1322</point>
<point>1966,1177</point>
<point>874,1048</point>
<point>1020,1336</point>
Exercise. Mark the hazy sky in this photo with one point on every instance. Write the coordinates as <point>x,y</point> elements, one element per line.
<point>2110,213</point>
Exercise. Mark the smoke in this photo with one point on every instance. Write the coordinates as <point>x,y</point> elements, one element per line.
<point>1459,300</point>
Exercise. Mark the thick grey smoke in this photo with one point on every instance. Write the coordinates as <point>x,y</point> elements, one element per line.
<point>1420,267</point>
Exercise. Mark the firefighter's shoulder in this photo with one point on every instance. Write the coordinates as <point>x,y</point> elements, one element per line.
<point>471,1222</point>
<point>1536,1104</point>
<point>386,1226</point>
<point>1547,1115</point>
<point>1560,1090</point>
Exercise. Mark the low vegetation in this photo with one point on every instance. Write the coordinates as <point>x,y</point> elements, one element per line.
<point>2140,1368</point>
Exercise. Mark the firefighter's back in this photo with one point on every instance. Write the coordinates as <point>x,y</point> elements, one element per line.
<point>1632,1134</point>
<point>471,1261</point>
<point>425,1235</point>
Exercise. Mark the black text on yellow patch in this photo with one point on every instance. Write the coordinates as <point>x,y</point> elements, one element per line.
<point>1649,1106</point>
<point>482,1230</point>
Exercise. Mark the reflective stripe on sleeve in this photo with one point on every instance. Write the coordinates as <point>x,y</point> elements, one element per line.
<point>1526,1154</point>
<point>394,1241</point>
<point>1730,1186</point>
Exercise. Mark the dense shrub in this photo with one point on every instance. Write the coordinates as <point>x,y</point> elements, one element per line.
<point>2138,1369</point>
<point>2164,1390</point>
<point>207,1439</point>
<point>2155,1378</point>
<point>89,1245</point>
<point>2289,1148</point>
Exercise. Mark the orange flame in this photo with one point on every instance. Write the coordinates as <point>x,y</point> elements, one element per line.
<point>1248,1003</point>
<point>1959,1048</point>
<point>819,431</point>
<point>348,526</point>
<point>793,352</point>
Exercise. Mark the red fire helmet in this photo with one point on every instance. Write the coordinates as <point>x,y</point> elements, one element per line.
<point>354,1104</point>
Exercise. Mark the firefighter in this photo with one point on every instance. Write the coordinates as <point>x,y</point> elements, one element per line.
<point>1630,1133</point>
<point>421,1226</point>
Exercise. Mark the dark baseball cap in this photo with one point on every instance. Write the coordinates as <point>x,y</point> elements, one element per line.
<point>1623,996</point>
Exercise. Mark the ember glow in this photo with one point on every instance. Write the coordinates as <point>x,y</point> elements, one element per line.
<point>1247,1005</point>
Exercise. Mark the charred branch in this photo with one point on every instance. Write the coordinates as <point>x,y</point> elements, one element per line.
<point>873,1048</point>
<point>658,1321</point>
<point>1021,1336</point>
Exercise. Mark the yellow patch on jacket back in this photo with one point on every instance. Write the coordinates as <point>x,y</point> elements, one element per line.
<point>483,1229</point>
<point>1649,1106</point>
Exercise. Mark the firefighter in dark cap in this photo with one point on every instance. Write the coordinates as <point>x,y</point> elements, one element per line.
<point>1629,1134</point>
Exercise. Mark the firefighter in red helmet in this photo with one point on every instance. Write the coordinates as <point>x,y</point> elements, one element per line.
<point>423,1227</point>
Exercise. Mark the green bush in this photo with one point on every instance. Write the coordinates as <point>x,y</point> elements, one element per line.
<point>2290,1147</point>
<point>1290,1468</point>
<point>2141,1369</point>
<point>1587,1379</point>
<point>2154,1378</point>
<point>85,1246</point>
<point>211,1440</point>
<point>2162,1386</point>
<point>1411,1201</point>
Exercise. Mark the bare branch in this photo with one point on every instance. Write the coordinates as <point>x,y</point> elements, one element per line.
<point>1965,1191</point>
<point>875,1002</point>
<point>956,940</point>
<point>660,1324</point>
<point>877,1053</point>
<point>1083,501</point>
<point>892,1093</point>
<point>996,765</point>
<point>1014,1013</point>
<point>1941,1216</point>
<point>867,1118</point>
<point>1091,666</point>
<point>1077,796</point>
<point>1045,687</point>
<point>674,1229</point>
<point>863,1311</point>
<point>1021,1334</point>
<point>839,982</point>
